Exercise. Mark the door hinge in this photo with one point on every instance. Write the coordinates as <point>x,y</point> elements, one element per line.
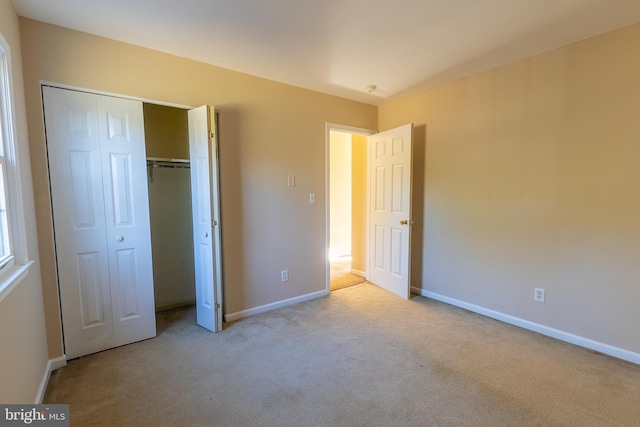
<point>216,306</point>
<point>214,222</point>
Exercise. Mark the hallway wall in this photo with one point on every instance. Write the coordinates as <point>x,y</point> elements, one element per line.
<point>359,203</point>
<point>340,194</point>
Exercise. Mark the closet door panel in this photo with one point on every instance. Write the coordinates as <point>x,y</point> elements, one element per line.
<point>75,170</point>
<point>127,218</point>
<point>92,302</point>
<point>127,280</point>
<point>121,198</point>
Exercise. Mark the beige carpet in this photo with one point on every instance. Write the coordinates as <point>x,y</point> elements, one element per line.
<point>358,357</point>
<point>345,281</point>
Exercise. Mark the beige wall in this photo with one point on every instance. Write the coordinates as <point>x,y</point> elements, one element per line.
<point>359,203</point>
<point>166,131</point>
<point>267,131</point>
<point>23,352</point>
<point>529,176</point>
<point>171,237</point>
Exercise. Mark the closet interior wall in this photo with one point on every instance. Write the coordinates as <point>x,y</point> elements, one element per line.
<point>167,140</point>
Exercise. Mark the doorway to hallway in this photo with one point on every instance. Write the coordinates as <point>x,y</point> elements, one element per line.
<point>347,206</point>
<point>380,207</point>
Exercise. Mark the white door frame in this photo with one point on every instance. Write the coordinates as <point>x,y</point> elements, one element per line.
<point>327,169</point>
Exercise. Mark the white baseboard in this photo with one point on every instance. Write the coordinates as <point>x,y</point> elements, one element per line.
<point>618,352</point>
<point>52,365</point>
<point>230,317</point>
<point>58,362</point>
<point>359,273</point>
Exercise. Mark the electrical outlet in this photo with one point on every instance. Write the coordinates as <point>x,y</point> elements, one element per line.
<point>538,295</point>
<point>284,275</point>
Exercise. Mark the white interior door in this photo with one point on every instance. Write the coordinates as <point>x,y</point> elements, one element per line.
<point>101,219</point>
<point>390,210</point>
<point>203,153</point>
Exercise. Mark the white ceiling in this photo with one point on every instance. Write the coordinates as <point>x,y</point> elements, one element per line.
<point>341,46</point>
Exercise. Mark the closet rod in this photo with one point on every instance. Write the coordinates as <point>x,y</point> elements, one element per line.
<point>159,162</point>
<point>166,160</point>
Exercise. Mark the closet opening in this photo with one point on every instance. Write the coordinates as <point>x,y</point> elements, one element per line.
<point>184,210</point>
<point>168,174</point>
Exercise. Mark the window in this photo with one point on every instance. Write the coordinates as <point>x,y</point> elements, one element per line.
<point>13,255</point>
<point>6,252</point>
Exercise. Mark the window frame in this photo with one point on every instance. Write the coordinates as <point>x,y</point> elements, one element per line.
<point>16,266</point>
<point>7,260</point>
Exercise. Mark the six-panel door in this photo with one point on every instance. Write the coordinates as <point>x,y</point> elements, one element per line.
<point>390,209</point>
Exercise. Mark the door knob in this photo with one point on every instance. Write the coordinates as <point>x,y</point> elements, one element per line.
<point>119,238</point>
<point>206,234</point>
<point>403,222</point>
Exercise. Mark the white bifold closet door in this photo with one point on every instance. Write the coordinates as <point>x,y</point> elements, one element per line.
<point>205,198</point>
<point>97,167</point>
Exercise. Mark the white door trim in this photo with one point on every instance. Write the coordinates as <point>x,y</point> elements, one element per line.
<point>113,94</point>
<point>358,131</point>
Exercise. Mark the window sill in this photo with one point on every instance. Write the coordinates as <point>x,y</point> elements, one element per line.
<point>12,278</point>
